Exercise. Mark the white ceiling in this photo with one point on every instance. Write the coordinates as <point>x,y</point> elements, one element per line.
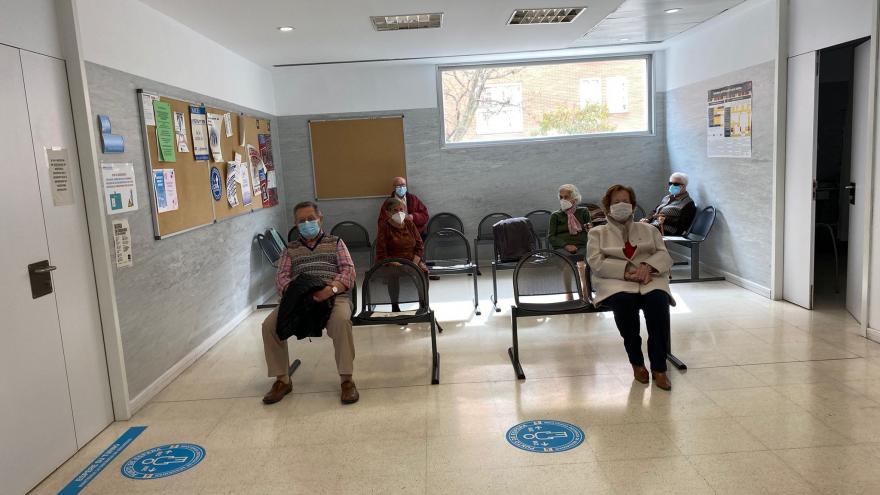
<point>341,31</point>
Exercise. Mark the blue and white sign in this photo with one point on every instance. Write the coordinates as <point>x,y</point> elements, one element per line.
<point>162,461</point>
<point>545,436</point>
<point>216,184</point>
<point>98,465</point>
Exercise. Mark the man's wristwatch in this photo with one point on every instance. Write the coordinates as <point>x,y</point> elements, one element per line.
<point>334,289</point>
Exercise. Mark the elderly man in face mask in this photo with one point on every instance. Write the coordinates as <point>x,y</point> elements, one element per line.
<point>416,211</point>
<point>674,214</point>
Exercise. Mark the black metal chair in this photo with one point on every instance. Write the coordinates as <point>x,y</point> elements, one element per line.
<point>485,235</point>
<point>357,240</point>
<point>538,276</point>
<point>696,234</point>
<point>276,237</point>
<point>292,234</point>
<point>447,251</point>
<point>638,213</point>
<point>499,263</point>
<point>541,224</point>
<point>396,281</point>
<point>269,247</point>
<point>442,221</point>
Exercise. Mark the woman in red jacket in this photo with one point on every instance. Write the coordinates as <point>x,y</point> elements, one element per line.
<point>398,237</point>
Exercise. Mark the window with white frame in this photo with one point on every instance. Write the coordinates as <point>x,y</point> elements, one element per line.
<point>590,91</point>
<point>546,99</point>
<point>500,109</point>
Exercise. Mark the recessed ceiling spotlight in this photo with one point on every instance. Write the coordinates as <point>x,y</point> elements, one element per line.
<point>672,11</point>
<point>285,29</point>
<point>623,39</point>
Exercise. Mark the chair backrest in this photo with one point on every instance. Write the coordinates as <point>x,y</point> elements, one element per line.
<point>353,234</point>
<point>292,234</point>
<point>513,239</point>
<point>544,273</point>
<point>269,248</point>
<point>639,212</point>
<point>277,238</point>
<point>484,231</point>
<point>444,220</point>
<point>540,221</point>
<point>702,224</point>
<point>394,276</point>
<point>447,247</point>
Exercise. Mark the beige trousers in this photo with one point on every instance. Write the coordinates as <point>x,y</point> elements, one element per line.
<point>338,329</point>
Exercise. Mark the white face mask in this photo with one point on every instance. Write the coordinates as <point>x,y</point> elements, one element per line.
<point>565,204</point>
<point>398,217</point>
<point>621,211</point>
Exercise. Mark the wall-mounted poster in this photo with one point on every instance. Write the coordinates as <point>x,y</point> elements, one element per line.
<point>214,124</point>
<point>265,142</point>
<point>729,131</point>
<point>200,132</point>
<point>120,190</point>
<point>165,185</point>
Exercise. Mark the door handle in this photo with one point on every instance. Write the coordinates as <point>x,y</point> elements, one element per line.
<point>40,274</point>
<point>851,189</point>
<point>46,269</point>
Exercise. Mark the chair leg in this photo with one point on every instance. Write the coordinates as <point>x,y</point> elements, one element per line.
<point>671,357</point>
<point>476,293</point>
<point>477,256</point>
<point>435,356</point>
<point>513,351</point>
<point>495,289</point>
<point>293,366</point>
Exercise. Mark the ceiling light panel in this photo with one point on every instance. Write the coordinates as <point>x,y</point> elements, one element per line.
<point>408,21</point>
<point>553,15</point>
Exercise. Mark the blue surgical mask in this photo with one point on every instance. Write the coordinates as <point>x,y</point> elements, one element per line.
<point>400,191</point>
<point>309,229</point>
<point>674,189</point>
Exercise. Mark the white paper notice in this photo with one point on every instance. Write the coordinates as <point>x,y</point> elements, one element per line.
<point>247,195</point>
<point>59,176</point>
<point>120,190</point>
<point>241,130</point>
<point>122,239</point>
<point>214,136</point>
<point>227,122</point>
<point>165,185</point>
<point>180,132</point>
<point>231,182</point>
<point>270,179</point>
<point>147,103</point>
<point>238,175</point>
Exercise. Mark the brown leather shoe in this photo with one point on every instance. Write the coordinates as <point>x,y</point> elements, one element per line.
<point>640,373</point>
<point>278,391</point>
<point>661,380</point>
<point>350,393</point>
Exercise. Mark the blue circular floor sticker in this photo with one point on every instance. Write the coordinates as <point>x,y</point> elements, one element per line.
<point>545,436</point>
<point>162,461</point>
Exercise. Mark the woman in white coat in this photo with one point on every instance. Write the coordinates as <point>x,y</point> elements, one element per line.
<point>630,267</point>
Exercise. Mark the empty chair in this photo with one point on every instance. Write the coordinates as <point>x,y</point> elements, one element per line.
<point>698,232</point>
<point>396,281</point>
<point>543,281</point>
<point>292,233</point>
<point>357,239</point>
<point>442,221</point>
<point>485,234</point>
<point>513,239</point>
<point>269,247</point>
<point>540,223</point>
<point>639,213</point>
<point>447,251</point>
<point>277,238</point>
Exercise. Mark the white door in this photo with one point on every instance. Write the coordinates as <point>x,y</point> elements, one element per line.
<point>48,101</point>
<point>36,418</point>
<point>800,179</point>
<point>855,266</point>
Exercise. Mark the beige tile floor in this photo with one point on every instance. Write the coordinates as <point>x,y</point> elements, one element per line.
<point>777,400</point>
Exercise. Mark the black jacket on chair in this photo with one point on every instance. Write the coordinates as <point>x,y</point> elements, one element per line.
<point>515,238</point>
<point>298,313</point>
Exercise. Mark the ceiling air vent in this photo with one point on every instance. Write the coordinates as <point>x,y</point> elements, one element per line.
<point>400,22</point>
<point>556,15</point>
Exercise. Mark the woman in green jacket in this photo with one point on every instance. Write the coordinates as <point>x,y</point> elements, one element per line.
<point>568,227</point>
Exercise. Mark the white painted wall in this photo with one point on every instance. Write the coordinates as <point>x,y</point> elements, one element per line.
<point>31,25</point>
<point>744,36</point>
<point>816,24</point>
<point>129,36</point>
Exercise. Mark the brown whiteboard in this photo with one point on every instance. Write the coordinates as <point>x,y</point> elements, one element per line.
<point>356,158</point>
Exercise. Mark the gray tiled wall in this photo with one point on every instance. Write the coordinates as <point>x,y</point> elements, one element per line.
<point>740,188</point>
<point>184,288</point>
<point>472,182</point>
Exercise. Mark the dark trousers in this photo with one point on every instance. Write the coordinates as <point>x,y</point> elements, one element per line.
<point>655,306</point>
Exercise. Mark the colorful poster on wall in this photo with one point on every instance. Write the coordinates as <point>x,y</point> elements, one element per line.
<point>199,132</point>
<point>180,132</point>
<point>258,170</point>
<point>214,136</point>
<point>165,185</point>
<point>120,190</point>
<point>729,132</point>
<point>265,142</point>
<point>164,131</point>
<point>231,182</point>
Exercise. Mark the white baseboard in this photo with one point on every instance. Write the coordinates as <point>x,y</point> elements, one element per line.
<point>163,381</point>
<point>874,334</point>
<point>730,277</point>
